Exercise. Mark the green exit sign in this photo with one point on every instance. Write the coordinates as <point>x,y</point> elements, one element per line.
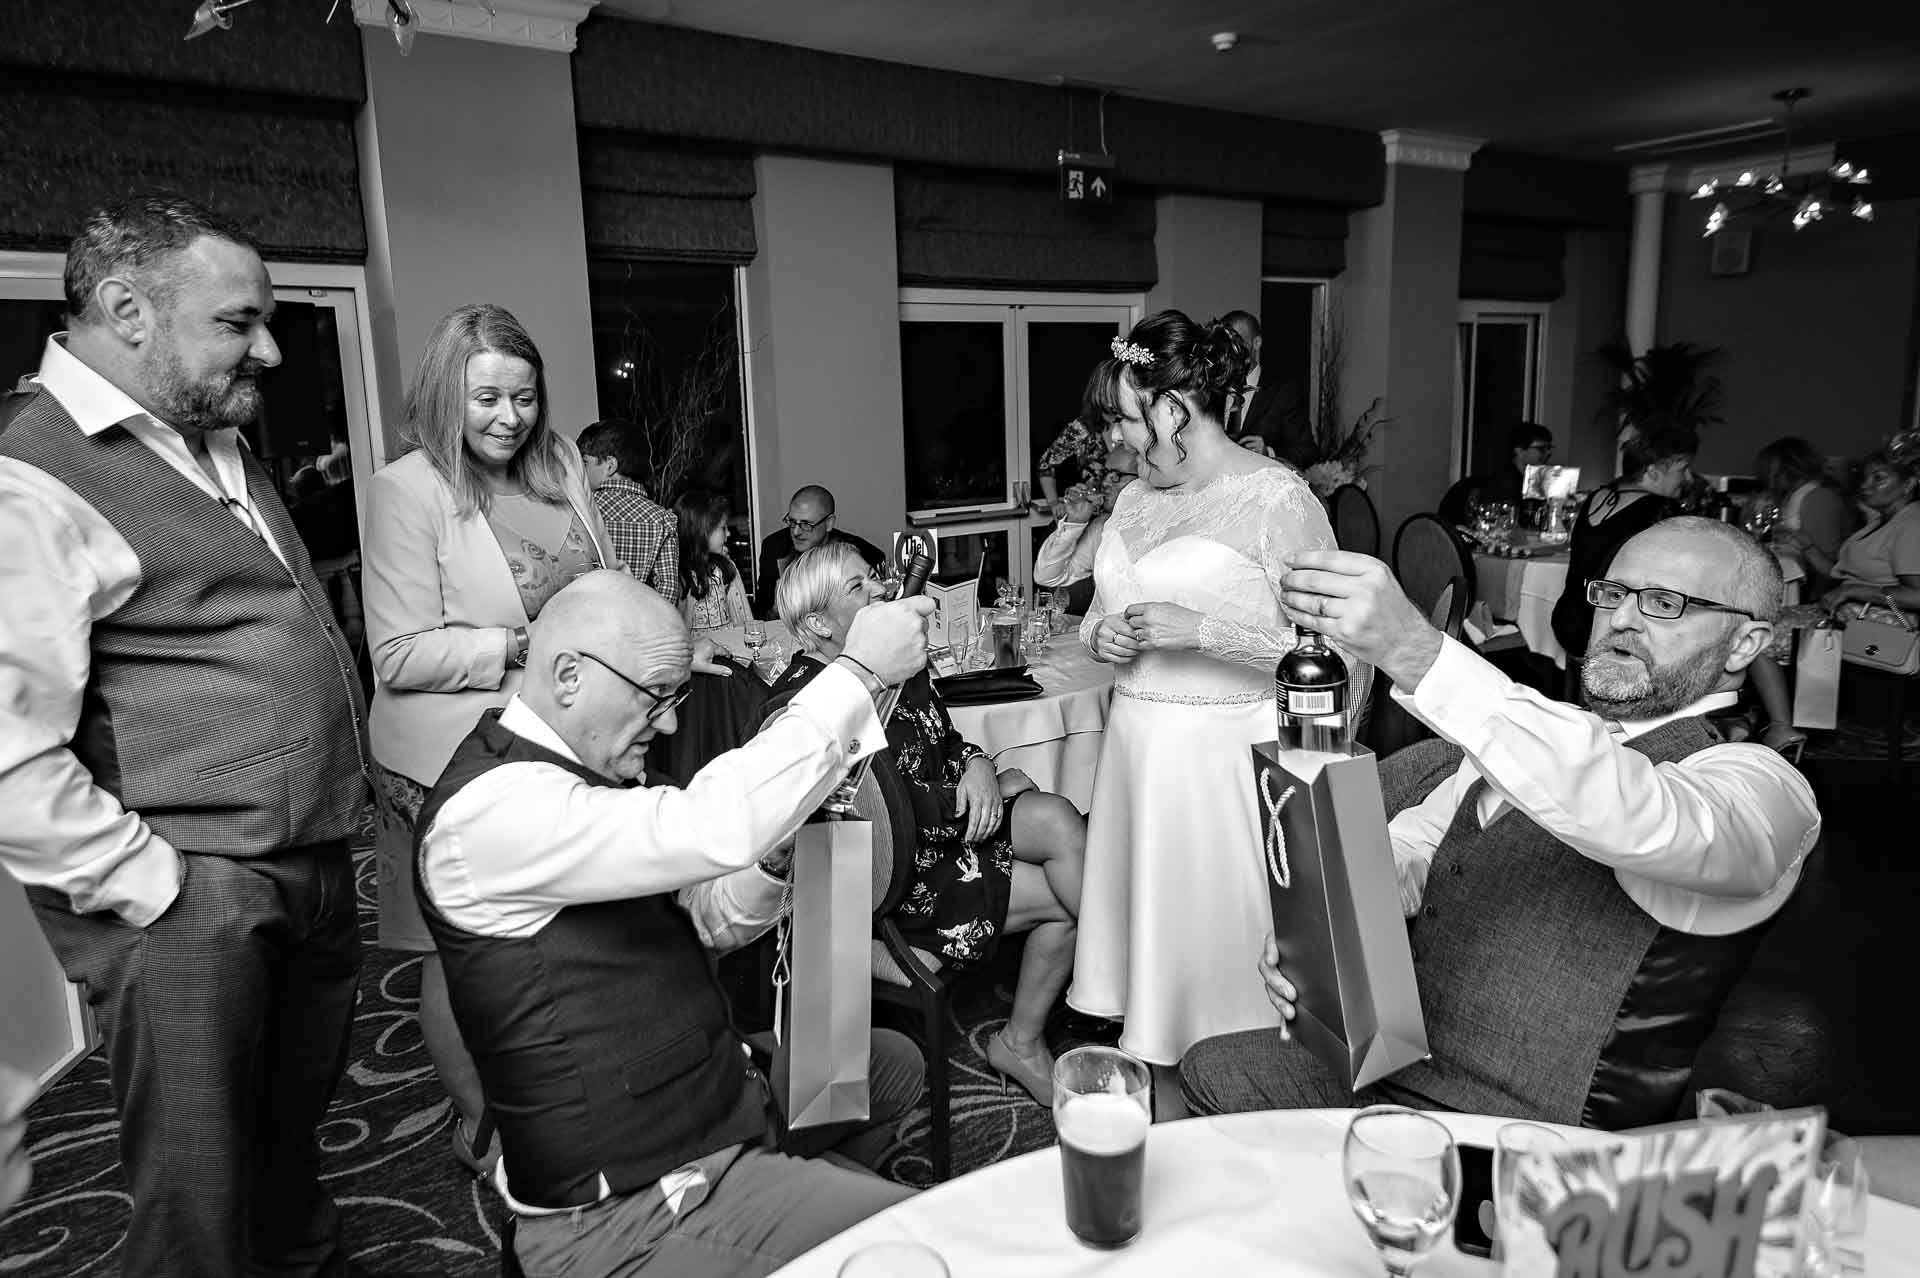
<point>1086,177</point>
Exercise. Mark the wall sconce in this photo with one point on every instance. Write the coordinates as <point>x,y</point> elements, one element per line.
<point>212,14</point>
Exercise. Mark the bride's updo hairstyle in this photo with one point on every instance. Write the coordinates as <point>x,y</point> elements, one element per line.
<point>1169,355</point>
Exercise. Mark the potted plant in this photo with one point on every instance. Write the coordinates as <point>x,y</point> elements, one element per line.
<point>1340,451</point>
<point>1674,379</point>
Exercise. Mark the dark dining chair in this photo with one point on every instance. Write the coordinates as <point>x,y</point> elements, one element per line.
<point>1355,525</point>
<point>1435,568</point>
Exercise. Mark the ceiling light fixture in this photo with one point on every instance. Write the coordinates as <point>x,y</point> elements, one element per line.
<point>1801,198</point>
<point>213,14</point>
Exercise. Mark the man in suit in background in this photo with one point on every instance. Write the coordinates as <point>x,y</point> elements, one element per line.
<point>808,523</point>
<point>1258,410</point>
<point>642,530</point>
<point>1528,444</point>
<point>181,757</point>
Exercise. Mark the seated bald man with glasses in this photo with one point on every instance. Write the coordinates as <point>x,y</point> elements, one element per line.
<point>576,901</point>
<point>809,522</point>
<point>1587,885</point>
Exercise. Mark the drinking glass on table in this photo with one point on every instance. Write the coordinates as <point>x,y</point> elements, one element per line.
<point>1403,1181</point>
<point>754,635</point>
<point>894,1260</point>
<point>1101,1111</point>
<point>1511,1143</point>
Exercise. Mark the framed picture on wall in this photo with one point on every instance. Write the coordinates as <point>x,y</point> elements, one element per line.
<point>1732,253</point>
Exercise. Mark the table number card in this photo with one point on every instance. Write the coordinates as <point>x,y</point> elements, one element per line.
<point>1720,1199</point>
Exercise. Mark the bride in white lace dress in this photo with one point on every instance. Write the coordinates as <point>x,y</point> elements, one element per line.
<point>1186,604</point>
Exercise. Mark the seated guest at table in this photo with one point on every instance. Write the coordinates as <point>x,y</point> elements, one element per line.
<point>1589,884</point>
<point>809,522</point>
<point>1528,444</point>
<point>711,592</point>
<point>641,529</point>
<point>1065,558</point>
<point>1658,464</point>
<point>1795,475</point>
<point>1879,566</point>
<point>575,909</point>
<point>996,854</point>
<point>484,519</point>
<point>1075,459</point>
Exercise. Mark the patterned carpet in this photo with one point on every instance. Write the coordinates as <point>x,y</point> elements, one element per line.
<point>409,1208</point>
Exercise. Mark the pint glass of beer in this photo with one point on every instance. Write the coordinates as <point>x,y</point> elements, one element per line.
<point>1101,1108</point>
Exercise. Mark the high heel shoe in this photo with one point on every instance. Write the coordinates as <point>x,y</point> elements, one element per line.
<point>1034,1073</point>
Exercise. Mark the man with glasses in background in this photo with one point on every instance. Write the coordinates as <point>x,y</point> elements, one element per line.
<point>1528,444</point>
<point>808,523</point>
<point>1585,886</point>
<point>575,901</point>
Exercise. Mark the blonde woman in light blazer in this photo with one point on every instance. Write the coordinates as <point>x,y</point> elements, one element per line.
<point>468,535</point>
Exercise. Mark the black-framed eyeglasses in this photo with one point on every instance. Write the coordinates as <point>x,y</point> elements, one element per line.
<point>804,525</point>
<point>1655,601</point>
<point>662,701</point>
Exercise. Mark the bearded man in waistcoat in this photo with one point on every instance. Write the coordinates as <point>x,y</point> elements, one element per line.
<point>577,901</point>
<point>180,743</point>
<point>1585,885</point>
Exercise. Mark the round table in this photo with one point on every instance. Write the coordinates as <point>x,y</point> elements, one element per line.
<point>1239,1194</point>
<point>1054,738</point>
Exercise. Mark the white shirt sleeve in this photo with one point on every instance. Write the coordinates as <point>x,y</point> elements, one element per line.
<point>527,840</point>
<point>730,911</point>
<point>65,568</point>
<point>1066,556</point>
<point>1732,821</point>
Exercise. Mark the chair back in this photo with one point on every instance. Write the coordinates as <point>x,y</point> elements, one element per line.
<point>1428,557</point>
<point>1355,525</point>
<point>882,799</point>
<point>1449,611</point>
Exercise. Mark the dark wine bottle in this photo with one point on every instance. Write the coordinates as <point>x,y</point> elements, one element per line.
<point>1310,697</point>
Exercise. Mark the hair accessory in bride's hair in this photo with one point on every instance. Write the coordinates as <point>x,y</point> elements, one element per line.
<point>1127,353</point>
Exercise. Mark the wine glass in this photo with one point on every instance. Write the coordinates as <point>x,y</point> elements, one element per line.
<point>894,1260</point>
<point>1403,1181</point>
<point>754,635</point>
<point>1510,1144</point>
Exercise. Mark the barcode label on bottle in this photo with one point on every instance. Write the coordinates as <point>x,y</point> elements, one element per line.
<point>1305,702</point>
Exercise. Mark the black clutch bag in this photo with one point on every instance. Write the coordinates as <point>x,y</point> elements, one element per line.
<point>983,687</point>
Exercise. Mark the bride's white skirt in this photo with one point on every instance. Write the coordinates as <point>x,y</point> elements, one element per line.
<point>1174,904</point>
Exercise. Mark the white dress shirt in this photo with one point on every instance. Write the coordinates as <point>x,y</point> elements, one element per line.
<point>1709,845</point>
<point>1241,400</point>
<point>505,857</point>
<point>66,567</point>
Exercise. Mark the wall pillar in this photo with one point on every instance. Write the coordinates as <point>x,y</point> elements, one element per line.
<point>1399,303</point>
<point>1648,183</point>
<point>470,175</point>
<point>1208,256</point>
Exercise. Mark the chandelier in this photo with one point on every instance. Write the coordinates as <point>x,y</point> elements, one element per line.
<point>1800,197</point>
<point>215,15</point>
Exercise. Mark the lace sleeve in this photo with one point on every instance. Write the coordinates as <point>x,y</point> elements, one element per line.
<point>1243,644</point>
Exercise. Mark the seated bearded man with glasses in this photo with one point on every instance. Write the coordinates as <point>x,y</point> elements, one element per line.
<point>575,902</point>
<point>1584,886</point>
<point>809,522</point>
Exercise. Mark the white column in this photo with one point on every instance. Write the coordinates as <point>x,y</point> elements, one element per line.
<point>1648,182</point>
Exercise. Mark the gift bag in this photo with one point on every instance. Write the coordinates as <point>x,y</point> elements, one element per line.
<point>824,982</point>
<point>1816,678</point>
<point>1336,912</point>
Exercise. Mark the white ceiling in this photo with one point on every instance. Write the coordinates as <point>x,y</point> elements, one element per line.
<point>1544,76</point>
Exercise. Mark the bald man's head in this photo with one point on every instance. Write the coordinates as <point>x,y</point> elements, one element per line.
<point>605,654</point>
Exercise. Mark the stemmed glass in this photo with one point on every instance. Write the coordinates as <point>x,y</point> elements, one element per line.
<point>1402,1175</point>
<point>754,635</point>
<point>1512,1143</point>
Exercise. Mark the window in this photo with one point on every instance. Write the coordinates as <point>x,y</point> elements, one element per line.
<point>666,345</point>
<point>988,381</point>
<point>1498,384</point>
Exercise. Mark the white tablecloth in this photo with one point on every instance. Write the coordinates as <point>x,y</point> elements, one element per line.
<point>1055,739</point>
<point>1243,1194</point>
<point>1522,592</point>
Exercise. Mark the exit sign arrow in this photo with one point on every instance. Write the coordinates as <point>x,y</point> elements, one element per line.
<point>1086,177</point>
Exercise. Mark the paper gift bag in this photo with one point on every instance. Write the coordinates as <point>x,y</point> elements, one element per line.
<point>1816,678</point>
<point>821,1061</point>
<point>1336,912</point>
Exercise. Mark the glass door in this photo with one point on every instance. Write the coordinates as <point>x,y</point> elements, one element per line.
<point>1498,381</point>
